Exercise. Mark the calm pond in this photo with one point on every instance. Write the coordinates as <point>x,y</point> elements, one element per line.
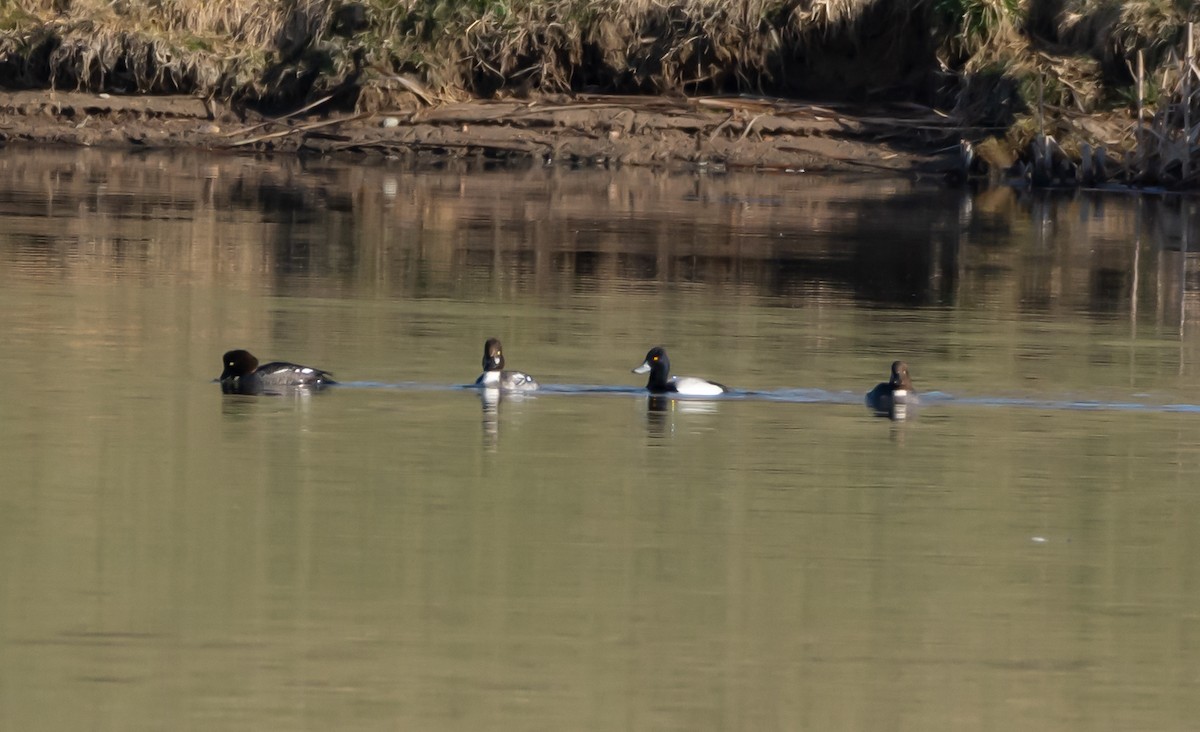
<point>397,553</point>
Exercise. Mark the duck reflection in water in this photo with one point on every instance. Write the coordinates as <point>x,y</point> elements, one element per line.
<point>490,401</point>
<point>247,406</point>
<point>659,422</point>
<point>661,411</point>
<point>896,397</point>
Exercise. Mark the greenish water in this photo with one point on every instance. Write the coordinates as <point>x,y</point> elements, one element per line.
<point>396,554</point>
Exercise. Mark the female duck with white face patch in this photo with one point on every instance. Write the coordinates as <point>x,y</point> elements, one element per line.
<point>495,377</point>
<point>659,368</point>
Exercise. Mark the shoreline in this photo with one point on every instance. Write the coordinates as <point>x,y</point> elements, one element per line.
<point>716,133</point>
<point>1082,94</point>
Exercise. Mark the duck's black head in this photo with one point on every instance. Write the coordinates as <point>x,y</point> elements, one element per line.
<point>657,365</point>
<point>238,363</point>
<point>900,378</point>
<point>493,356</point>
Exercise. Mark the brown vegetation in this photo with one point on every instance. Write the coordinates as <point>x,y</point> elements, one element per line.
<point>1023,71</point>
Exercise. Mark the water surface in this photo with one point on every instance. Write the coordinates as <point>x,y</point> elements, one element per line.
<point>400,554</point>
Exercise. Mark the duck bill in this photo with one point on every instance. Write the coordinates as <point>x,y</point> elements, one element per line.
<point>644,368</point>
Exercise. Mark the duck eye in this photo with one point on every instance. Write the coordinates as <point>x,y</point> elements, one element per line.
<point>654,359</point>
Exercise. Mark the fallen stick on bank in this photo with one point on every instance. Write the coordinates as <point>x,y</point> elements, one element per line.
<point>284,118</point>
<point>301,129</point>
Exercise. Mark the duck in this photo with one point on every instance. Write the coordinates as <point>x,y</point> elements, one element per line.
<point>244,375</point>
<point>495,377</point>
<point>898,390</point>
<point>659,368</point>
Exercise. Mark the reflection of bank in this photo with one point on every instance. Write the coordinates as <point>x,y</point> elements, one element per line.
<point>490,401</point>
<point>661,412</point>
<point>867,241</point>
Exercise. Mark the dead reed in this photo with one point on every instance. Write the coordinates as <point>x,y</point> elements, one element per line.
<point>1166,152</point>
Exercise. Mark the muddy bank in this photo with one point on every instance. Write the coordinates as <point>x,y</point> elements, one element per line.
<point>731,133</point>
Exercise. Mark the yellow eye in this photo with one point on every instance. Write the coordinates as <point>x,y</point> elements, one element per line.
<point>654,359</point>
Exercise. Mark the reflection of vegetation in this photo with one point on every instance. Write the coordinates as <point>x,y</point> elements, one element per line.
<point>457,233</point>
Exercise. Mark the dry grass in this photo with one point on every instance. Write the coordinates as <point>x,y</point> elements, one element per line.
<point>843,48</point>
<point>1113,31</point>
<point>221,48</point>
<point>1167,152</point>
<point>995,62</point>
<point>236,47</point>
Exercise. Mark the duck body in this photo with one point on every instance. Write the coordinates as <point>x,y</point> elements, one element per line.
<point>244,375</point>
<point>494,375</point>
<point>897,390</point>
<point>507,381</point>
<point>661,382</point>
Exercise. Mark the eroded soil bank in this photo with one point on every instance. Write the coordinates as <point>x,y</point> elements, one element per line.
<point>734,133</point>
